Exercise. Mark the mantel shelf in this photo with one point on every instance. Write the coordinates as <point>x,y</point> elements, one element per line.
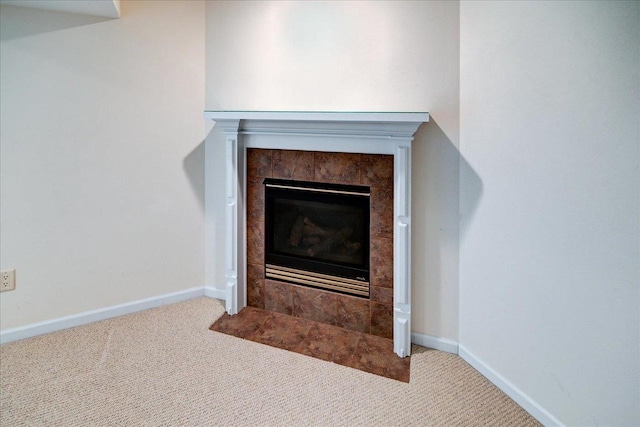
<point>321,116</point>
<point>321,123</point>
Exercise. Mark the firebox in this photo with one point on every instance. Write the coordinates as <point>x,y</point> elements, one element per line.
<point>317,234</point>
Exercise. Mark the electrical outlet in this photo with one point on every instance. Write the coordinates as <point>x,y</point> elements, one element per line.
<point>8,282</point>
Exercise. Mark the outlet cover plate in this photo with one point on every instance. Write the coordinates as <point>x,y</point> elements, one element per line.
<point>7,280</point>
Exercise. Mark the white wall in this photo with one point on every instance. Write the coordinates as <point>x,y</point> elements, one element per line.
<point>351,56</point>
<point>102,157</point>
<point>549,248</point>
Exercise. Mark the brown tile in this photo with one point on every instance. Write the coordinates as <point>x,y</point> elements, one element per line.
<point>243,325</point>
<point>223,324</point>
<point>293,164</point>
<point>330,343</point>
<point>286,332</point>
<point>376,169</point>
<point>278,297</point>
<point>342,168</point>
<point>349,348</point>
<point>314,304</point>
<point>381,264</point>
<point>353,313</point>
<point>382,320</point>
<point>375,354</point>
<point>255,285</point>
<point>255,242</point>
<point>382,211</point>
<point>252,314</point>
<point>259,163</point>
<point>381,295</point>
<point>255,199</point>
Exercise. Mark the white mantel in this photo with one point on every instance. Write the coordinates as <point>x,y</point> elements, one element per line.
<point>353,132</point>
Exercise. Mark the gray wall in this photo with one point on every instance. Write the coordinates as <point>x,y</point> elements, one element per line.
<point>102,157</point>
<point>549,261</point>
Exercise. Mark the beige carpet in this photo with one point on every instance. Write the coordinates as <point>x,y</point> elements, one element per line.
<point>164,367</point>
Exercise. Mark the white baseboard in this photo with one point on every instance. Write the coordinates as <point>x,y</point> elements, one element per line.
<point>35,329</point>
<point>214,293</point>
<point>437,343</point>
<point>520,397</point>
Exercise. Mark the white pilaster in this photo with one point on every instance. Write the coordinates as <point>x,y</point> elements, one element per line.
<point>402,250</point>
<point>235,259</point>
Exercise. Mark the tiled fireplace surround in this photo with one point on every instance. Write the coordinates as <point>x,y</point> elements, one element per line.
<point>374,315</point>
<point>352,147</point>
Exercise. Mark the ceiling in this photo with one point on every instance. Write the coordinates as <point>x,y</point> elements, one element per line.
<point>106,8</point>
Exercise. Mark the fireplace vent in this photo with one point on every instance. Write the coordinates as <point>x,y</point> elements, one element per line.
<point>317,235</point>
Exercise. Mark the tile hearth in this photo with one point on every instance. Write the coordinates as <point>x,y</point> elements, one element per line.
<point>345,347</point>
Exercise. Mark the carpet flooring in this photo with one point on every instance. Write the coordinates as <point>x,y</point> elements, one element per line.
<point>165,367</point>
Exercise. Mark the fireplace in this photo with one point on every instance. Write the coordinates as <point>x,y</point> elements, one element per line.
<point>374,133</point>
<point>317,235</point>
